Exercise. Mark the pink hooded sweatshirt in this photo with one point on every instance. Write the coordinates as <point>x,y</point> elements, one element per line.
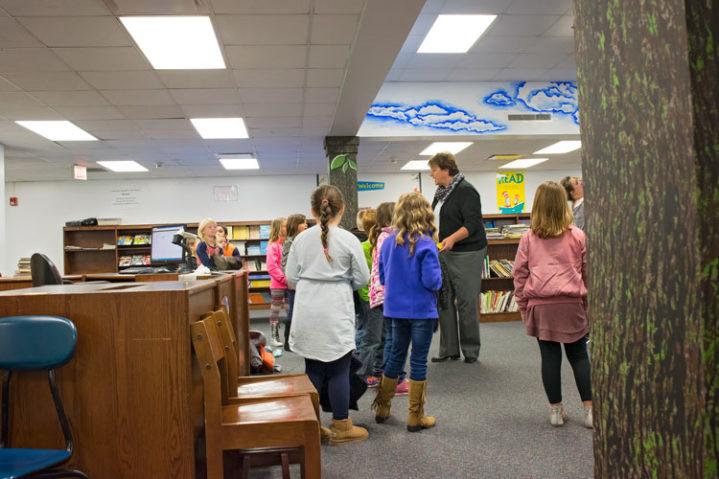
<point>274,266</point>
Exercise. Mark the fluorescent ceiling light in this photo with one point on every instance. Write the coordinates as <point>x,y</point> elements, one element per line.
<point>217,128</point>
<point>525,163</point>
<point>416,165</point>
<point>560,147</point>
<point>453,147</point>
<point>455,33</point>
<point>57,130</point>
<point>239,162</point>
<point>176,42</point>
<point>122,166</point>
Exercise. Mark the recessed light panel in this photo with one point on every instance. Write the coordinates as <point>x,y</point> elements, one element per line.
<point>176,42</point>
<point>453,147</point>
<point>416,165</point>
<point>122,166</point>
<point>560,147</point>
<point>455,33</point>
<point>57,130</point>
<point>239,162</point>
<point>219,128</point>
<point>525,163</point>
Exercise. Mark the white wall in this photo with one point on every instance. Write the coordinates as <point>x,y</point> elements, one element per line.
<point>35,225</point>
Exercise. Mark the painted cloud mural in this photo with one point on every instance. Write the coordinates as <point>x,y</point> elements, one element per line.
<point>559,98</point>
<point>435,115</point>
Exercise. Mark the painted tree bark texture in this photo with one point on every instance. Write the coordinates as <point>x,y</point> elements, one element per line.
<point>344,178</point>
<point>648,96</point>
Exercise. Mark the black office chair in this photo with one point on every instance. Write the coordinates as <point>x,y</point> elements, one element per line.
<point>44,272</point>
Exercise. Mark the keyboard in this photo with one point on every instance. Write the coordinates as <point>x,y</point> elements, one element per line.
<point>146,270</point>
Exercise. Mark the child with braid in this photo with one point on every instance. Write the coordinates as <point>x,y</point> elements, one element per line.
<point>325,264</point>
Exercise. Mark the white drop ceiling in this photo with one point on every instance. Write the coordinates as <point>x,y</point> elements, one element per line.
<point>297,70</point>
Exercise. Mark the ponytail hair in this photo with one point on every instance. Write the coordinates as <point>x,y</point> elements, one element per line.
<point>327,202</point>
<point>385,213</point>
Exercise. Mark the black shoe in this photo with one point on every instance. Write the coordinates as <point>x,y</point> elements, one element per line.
<point>441,359</point>
<point>287,347</point>
<point>470,360</point>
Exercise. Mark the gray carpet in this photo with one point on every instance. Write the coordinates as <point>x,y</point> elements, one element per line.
<point>492,422</point>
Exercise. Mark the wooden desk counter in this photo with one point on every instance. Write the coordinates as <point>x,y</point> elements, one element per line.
<point>20,282</point>
<point>132,392</point>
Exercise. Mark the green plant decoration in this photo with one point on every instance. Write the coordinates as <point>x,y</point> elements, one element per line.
<point>343,161</point>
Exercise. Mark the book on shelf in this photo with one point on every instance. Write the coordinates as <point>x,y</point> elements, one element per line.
<point>228,231</point>
<point>254,232</point>
<point>124,261</point>
<point>494,233</point>
<point>501,268</point>
<point>141,240</point>
<point>263,247</point>
<point>241,246</point>
<point>263,265</point>
<point>485,268</point>
<point>251,266</point>
<point>124,240</point>
<point>23,267</point>
<point>253,250</point>
<point>264,232</point>
<point>498,302</point>
<point>108,246</point>
<point>514,231</point>
<point>108,221</point>
<point>240,233</point>
<point>140,260</point>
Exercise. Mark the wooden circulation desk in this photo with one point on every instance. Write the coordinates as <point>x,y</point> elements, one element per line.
<point>132,392</point>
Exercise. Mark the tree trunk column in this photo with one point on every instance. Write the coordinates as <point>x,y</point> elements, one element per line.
<point>342,162</point>
<point>648,95</point>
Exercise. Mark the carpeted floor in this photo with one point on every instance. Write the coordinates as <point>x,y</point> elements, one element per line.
<point>492,422</point>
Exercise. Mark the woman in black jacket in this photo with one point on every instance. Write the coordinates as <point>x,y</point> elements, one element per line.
<point>458,211</point>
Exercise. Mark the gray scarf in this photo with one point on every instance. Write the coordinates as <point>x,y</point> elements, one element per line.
<point>443,192</point>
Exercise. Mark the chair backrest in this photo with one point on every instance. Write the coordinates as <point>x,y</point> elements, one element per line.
<point>35,343</point>
<point>43,271</point>
<point>226,334</point>
<point>211,358</point>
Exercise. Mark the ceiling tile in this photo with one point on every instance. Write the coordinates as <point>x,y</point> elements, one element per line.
<point>541,6</point>
<point>328,56</point>
<point>325,77</point>
<point>261,6</point>
<point>273,109</point>
<point>545,60</point>
<point>564,27</point>
<point>433,6</point>
<point>29,113</point>
<point>339,6</point>
<point>271,95</point>
<point>320,109</point>
<point>198,96</point>
<point>551,44</point>
<point>487,60</point>
<point>7,86</point>
<point>212,111</point>
<point>521,74</point>
<point>77,31</point>
<point>274,122</point>
<point>138,97</point>
<point>322,95</point>
<point>70,98</point>
<point>164,125</point>
<point>424,74</point>
<point>521,25</point>
<point>504,44</point>
<point>29,60</point>
<point>90,112</point>
<point>103,59</point>
<point>263,29</point>
<point>394,75</point>
<point>196,78</point>
<point>164,7</point>
<point>270,78</point>
<point>433,60</point>
<point>317,121</point>
<point>274,132</point>
<point>14,99</point>
<point>560,74</point>
<point>123,80</point>
<point>472,74</point>
<point>171,135</point>
<point>13,35</point>
<point>148,112</point>
<point>333,29</point>
<point>48,81</point>
<point>473,7</point>
<point>53,7</point>
<point>247,57</point>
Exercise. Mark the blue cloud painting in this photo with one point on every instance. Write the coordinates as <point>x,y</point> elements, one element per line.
<point>434,115</point>
<point>559,97</point>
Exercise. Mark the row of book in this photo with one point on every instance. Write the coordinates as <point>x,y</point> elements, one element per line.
<point>134,240</point>
<point>497,268</point>
<point>253,265</point>
<point>506,231</point>
<point>23,267</point>
<point>498,302</point>
<point>105,246</point>
<point>260,298</point>
<point>254,232</point>
<point>260,281</point>
<point>251,249</point>
<point>134,260</point>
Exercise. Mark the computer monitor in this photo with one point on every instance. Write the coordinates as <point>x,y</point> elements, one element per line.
<point>163,249</point>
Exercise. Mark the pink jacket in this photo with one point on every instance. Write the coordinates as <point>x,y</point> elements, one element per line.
<point>551,271</point>
<point>274,266</point>
<point>376,290</point>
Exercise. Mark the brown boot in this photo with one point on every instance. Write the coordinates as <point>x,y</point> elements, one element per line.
<point>325,434</point>
<point>383,400</point>
<point>416,420</point>
<point>344,431</point>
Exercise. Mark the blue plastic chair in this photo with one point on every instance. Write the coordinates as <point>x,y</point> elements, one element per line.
<point>30,343</point>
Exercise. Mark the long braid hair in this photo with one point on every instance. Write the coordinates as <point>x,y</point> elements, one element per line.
<point>385,212</point>
<point>327,202</point>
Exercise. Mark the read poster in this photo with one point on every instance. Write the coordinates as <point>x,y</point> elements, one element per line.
<point>510,192</point>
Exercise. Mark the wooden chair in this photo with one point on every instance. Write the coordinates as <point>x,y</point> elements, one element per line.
<point>287,422</point>
<point>257,387</point>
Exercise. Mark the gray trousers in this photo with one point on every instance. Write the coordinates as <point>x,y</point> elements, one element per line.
<point>459,322</point>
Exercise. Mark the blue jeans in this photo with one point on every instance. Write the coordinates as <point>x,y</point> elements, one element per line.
<point>361,316</point>
<point>370,341</point>
<point>419,333</point>
<point>387,348</point>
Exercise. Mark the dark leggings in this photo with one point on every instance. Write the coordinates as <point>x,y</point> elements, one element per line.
<point>551,352</point>
<point>336,375</point>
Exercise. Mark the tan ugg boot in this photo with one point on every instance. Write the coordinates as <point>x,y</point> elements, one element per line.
<point>325,434</point>
<point>416,420</point>
<point>344,431</point>
<point>383,400</point>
